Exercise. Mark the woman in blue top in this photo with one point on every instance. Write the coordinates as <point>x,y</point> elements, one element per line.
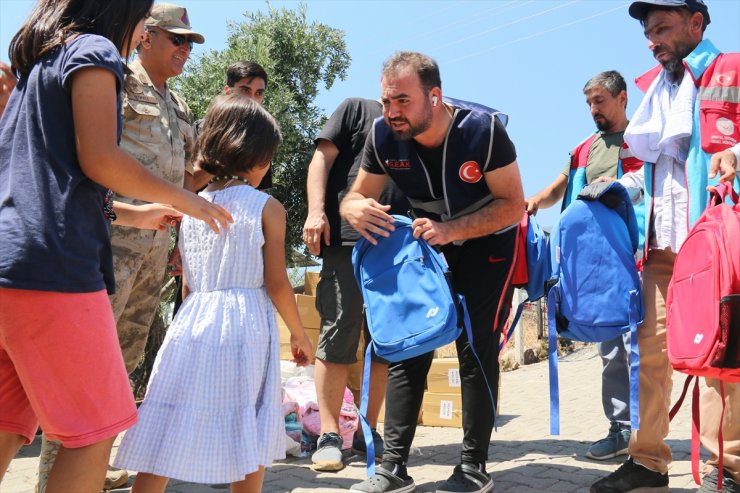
<point>60,363</point>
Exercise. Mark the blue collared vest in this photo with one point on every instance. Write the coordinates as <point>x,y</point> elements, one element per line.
<point>716,124</point>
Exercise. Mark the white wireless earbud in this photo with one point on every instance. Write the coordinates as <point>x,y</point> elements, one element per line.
<point>434,100</point>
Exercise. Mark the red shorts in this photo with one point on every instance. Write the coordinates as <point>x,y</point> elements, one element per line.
<point>61,366</point>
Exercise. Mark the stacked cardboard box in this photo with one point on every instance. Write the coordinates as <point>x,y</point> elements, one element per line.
<point>311,322</point>
<point>310,281</point>
<point>442,404</point>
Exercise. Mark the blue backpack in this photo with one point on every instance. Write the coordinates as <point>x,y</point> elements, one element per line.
<point>596,294</point>
<point>404,282</point>
<point>410,305</point>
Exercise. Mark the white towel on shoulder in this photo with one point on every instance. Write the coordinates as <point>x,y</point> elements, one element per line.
<point>660,123</point>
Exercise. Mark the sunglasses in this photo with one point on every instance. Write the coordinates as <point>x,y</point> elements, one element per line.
<point>179,40</point>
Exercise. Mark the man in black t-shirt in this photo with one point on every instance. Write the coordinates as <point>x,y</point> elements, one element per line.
<point>331,173</point>
<point>458,169</point>
<point>246,78</point>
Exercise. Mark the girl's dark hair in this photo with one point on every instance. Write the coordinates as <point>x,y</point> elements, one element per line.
<point>237,135</point>
<point>53,22</point>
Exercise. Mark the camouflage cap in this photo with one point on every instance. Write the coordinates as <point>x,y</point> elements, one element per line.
<point>174,19</point>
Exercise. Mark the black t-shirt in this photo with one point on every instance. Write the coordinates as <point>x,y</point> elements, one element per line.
<point>347,128</point>
<point>503,154</point>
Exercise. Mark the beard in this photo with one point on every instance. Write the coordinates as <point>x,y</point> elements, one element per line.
<point>602,125</point>
<point>413,129</point>
<point>673,64</point>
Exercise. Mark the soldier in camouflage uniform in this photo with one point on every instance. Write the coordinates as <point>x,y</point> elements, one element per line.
<point>158,132</point>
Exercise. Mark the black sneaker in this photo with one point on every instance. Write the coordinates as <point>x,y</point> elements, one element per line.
<point>359,447</point>
<point>631,477</point>
<point>328,454</point>
<point>385,481</point>
<point>467,478</point>
<point>709,483</point>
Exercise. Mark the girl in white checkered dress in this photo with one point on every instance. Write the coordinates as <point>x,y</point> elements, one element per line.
<point>212,410</point>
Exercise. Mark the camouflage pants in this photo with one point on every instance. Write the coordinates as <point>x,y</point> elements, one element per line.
<point>140,261</point>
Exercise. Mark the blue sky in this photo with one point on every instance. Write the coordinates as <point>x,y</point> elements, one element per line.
<point>528,58</point>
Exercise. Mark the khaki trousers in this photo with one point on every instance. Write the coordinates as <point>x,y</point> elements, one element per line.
<point>647,445</point>
<point>711,409</point>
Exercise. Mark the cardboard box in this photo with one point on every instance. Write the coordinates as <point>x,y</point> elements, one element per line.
<point>448,351</point>
<point>307,311</point>
<point>442,409</point>
<point>310,317</point>
<point>445,408</point>
<point>286,354</point>
<point>282,329</point>
<point>444,376</point>
<point>310,281</point>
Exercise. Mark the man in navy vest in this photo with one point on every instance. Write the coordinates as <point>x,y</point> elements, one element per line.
<point>458,169</point>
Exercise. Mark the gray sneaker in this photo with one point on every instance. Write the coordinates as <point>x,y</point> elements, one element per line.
<point>614,444</point>
<point>328,454</point>
<point>384,481</point>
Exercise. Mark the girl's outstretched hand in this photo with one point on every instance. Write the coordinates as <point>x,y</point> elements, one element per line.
<point>195,206</point>
<point>146,216</point>
<point>302,349</point>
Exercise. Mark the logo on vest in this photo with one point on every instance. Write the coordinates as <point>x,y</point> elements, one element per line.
<point>698,338</point>
<point>432,312</point>
<point>470,172</point>
<point>398,164</point>
<point>725,126</point>
<point>725,79</point>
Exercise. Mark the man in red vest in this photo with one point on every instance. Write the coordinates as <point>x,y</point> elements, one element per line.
<point>603,153</point>
<point>684,150</point>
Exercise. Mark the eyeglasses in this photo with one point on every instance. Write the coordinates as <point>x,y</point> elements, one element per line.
<point>179,40</point>
<point>176,39</point>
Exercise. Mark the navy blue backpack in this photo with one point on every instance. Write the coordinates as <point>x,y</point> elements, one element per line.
<point>410,305</point>
<point>597,295</point>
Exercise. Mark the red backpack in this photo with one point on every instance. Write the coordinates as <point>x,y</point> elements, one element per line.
<point>703,306</point>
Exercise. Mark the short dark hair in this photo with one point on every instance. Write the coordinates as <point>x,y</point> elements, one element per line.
<point>611,80</point>
<point>244,70</point>
<point>424,66</point>
<point>237,135</point>
<point>53,22</point>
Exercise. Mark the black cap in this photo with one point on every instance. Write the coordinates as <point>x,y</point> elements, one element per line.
<point>639,9</point>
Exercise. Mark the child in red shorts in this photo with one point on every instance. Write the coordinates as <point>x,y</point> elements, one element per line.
<point>60,363</point>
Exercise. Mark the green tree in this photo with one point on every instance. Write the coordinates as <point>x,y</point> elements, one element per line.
<point>299,57</point>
